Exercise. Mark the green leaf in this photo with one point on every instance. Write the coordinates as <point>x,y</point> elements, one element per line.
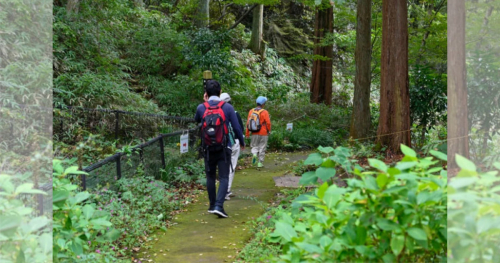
<point>38,222</point>
<point>100,222</point>
<point>370,183</point>
<point>417,233</point>
<point>382,180</point>
<point>407,151</point>
<point>81,196</point>
<point>9,224</point>
<point>464,163</point>
<point>458,183</point>
<point>386,224</point>
<point>285,230</point>
<point>45,242</point>
<point>76,248</point>
<point>314,159</point>
<point>326,150</point>
<point>28,189</point>
<point>88,211</point>
<point>73,170</point>
<point>325,241</point>
<point>378,165</point>
<point>439,155</point>
<point>20,257</point>
<point>402,166</point>
<point>388,258</point>
<point>59,195</point>
<point>325,173</point>
<point>308,178</point>
<point>333,196</point>
<point>397,243</point>
<point>328,163</point>
<point>322,189</point>
<point>309,247</point>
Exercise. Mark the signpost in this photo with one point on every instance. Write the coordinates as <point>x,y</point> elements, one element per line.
<point>184,143</point>
<point>207,75</point>
<point>289,127</point>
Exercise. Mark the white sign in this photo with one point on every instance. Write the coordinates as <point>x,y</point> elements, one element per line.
<point>184,143</point>
<point>289,126</point>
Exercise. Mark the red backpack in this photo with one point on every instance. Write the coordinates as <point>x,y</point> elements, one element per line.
<point>214,129</point>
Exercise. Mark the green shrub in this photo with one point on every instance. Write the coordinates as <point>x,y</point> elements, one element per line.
<point>23,238</point>
<point>394,214</point>
<point>473,214</point>
<point>81,232</point>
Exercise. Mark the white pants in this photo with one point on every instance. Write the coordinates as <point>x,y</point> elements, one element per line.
<point>234,161</point>
<point>259,144</point>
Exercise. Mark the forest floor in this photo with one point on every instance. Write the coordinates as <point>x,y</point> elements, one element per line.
<point>197,236</point>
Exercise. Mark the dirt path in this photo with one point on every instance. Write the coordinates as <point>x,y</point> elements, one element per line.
<point>202,237</point>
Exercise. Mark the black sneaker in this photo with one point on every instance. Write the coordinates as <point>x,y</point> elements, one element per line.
<point>211,209</point>
<point>219,211</point>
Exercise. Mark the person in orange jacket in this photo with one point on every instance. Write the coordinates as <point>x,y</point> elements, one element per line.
<point>259,123</point>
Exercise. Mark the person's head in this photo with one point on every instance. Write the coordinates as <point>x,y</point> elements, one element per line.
<point>212,88</point>
<point>225,97</point>
<point>261,101</point>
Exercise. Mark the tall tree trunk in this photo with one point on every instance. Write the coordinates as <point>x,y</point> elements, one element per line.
<point>72,7</point>
<point>256,41</point>
<point>321,80</point>
<point>361,119</point>
<point>394,121</point>
<point>203,16</point>
<point>458,126</point>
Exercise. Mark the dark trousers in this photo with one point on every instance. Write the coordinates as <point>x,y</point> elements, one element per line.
<point>212,161</point>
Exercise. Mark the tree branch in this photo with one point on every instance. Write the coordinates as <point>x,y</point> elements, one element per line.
<point>243,16</point>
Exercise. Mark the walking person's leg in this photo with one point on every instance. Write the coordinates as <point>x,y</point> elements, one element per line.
<point>223,162</point>
<point>255,150</point>
<point>210,170</point>
<point>262,148</point>
<point>235,153</point>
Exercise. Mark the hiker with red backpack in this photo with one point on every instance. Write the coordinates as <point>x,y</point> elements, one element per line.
<point>215,117</point>
<point>259,124</point>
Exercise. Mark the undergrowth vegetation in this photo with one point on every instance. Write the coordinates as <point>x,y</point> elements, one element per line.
<point>388,213</point>
<point>115,221</point>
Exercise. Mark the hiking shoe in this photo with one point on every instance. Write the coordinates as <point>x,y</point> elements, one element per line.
<point>228,198</point>
<point>219,211</point>
<point>211,210</point>
<point>260,165</point>
<point>230,194</point>
<point>254,159</point>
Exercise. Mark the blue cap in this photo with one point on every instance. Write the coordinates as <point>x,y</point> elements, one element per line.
<point>261,100</point>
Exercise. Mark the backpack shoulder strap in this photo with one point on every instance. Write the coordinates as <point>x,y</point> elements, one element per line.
<point>206,105</point>
<point>220,104</point>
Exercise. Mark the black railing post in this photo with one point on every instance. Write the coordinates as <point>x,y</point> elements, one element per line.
<point>118,168</point>
<point>40,205</point>
<point>83,178</point>
<point>117,124</point>
<point>162,150</point>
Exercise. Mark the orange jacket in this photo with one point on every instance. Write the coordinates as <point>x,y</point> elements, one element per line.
<point>264,121</point>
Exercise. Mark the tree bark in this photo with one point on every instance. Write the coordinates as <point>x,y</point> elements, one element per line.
<point>256,41</point>
<point>458,127</point>
<point>72,7</point>
<point>394,121</point>
<point>361,119</point>
<point>203,17</point>
<point>321,80</point>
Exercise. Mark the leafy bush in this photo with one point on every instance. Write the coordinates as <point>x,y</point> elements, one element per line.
<point>396,214</point>
<point>23,238</point>
<point>81,232</point>
<point>473,214</point>
<point>137,207</point>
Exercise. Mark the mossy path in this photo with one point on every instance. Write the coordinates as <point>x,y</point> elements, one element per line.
<point>199,236</point>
